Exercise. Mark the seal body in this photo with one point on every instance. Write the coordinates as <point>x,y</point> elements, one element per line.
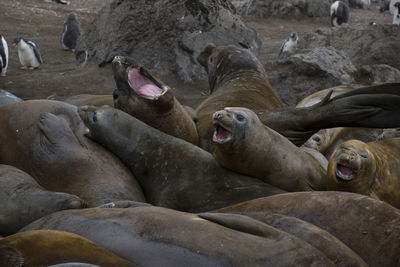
<point>24,200</point>
<point>339,13</point>
<point>28,53</point>
<point>288,46</point>
<point>142,95</point>
<point>90,100</point>
<point>237,79</point>
<point>48,247</point>
<point>370,169</point>
<point>338,213</point>
<point>71,32</point>
<point>46,139</point>
<point>155,236</point>
<point>247,146</point>
<point>3,56</point>
<point>172,172</point>
<point>8,98</point>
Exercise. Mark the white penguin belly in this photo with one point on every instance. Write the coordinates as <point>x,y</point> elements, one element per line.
<point>27,57</point>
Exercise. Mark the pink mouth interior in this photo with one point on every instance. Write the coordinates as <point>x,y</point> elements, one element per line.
<point>344,170</point>
<point>222,134</point>
<point>142,85</point>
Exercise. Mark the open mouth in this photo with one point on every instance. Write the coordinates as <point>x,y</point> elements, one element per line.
<point>221,134</point>
<point>144,84</point>
<point>344,173</point>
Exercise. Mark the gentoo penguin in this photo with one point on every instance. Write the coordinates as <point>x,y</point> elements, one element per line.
<point>392,8</point>
<point>339,13</point>
<point>28,53</point>
<point>71,32</point>
<point>288,46</point>
<point>396,15</point>
<point>3,56</point>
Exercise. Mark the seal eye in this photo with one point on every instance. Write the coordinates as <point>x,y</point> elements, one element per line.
<point>317,139</point>
<point>240,117</point>
<point>363,156</point>
<point>115,94</point>
<point>210,60</point>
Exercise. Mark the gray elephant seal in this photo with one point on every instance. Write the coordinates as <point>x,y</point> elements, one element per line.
<point>367,226</point>
<point>172,172</point>
<point>46,139</point>
<point>48,247</point>
<point>8,98</point>
<point>247,146</point>
<point>371,169</point>
<point>155,236</point>
<point>142,95</point>
<point>24,200</point>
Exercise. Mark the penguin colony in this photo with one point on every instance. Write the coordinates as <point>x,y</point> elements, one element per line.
<point>29,52</point>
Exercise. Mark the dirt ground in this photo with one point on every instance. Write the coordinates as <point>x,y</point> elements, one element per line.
<point>59,75</point>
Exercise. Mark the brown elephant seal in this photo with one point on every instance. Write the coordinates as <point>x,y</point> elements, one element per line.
<point>371,228</point>
<point>245,145</point>
<point>172,172</point>
<point>371,169</point>
<point>155,236</point>
<point>237,79</point>
<point>46,139</point>
<point>24,201</point>
<point>90,100</point>
<point>142,95</point>
<point>48,247</point>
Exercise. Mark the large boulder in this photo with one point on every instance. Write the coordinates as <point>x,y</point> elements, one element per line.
<point>264,8</point>
<point>164,35</point>
<point>365,45</point>
<point>309,71</point>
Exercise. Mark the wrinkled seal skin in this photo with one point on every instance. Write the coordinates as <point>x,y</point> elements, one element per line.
<point>367,226</point>
<point>256,150</point>
<point>47,247</point>
<point>45,139</point>
<point>163,112</point>
<point>172,172</point>
<point>237,79</point>
<point>375,169</point>
<point>24,201</point>
<point>155,236</point>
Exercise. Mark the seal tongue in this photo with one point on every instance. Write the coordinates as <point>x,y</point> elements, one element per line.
<point>222,133</point>
<point>142,85</point>
<point>344,170</point>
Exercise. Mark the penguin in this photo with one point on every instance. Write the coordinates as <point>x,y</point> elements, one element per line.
<point>339,13</point>
<point>28,53</point>
<point>71,32</point>
<point>392,8</point>
<point>396,15</point>
<point>3,56</point>
<point>384,5</point>
<point>288,46</point>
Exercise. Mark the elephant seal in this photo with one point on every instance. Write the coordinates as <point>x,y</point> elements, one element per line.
<point>24,201</point>
<point>142,95</point>
<point>172,172</point>
<point>245,145</point>
<point>46,139</point>
<point>238,79</point>
<point>90,100</point>
<point>47,247</point>
<point>371,169</point>
<point>155,236</point>
<point>367,226</point>
<point>8,98</point>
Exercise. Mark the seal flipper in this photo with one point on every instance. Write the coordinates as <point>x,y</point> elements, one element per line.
<point>55,129</point>
<point>10,256</point>
<point>242,223</point>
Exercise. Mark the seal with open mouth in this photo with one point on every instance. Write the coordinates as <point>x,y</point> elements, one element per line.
<point>247,146</point>
<point>145,97</point>
<point>371,169</point>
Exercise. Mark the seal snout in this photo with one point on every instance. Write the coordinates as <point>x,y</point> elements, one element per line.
<point>144,84</point>
<point>222,132</point>
<point>347,165</point>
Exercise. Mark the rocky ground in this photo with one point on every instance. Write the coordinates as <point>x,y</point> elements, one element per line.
<point>60,75</point>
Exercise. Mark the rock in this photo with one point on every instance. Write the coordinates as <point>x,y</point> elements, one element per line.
<point>365,45</point>
<point>164,35</point>
<point>305,73</point>
<point>263,8</point>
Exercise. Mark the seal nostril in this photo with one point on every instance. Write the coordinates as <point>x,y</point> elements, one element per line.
<point>94,117</point>
<point>115,94</point>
